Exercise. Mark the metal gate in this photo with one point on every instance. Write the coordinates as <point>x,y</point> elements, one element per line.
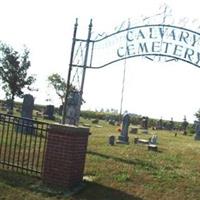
<point>22,144</point>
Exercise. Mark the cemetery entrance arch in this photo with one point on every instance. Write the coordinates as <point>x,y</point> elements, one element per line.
<point>148,40</point>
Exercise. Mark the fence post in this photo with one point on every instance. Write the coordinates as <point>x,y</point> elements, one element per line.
<point>65,155</point>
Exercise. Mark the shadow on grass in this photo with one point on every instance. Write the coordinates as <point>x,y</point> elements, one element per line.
<point>141,163</point>
<point>16,179</point>
<point>89,191</point>
<point>26,182</point>
<point>94,191</point>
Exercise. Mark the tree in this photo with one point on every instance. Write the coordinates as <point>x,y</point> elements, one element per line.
<point>60,86</point>
<point>13,72</point>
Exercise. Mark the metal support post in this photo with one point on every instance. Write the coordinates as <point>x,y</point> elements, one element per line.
<point>69,72</point>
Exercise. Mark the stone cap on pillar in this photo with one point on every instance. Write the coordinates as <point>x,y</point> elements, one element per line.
<point>66,128</point>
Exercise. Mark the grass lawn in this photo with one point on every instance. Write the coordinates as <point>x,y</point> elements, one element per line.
<point>123,172</point>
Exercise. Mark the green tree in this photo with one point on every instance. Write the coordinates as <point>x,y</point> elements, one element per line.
<point>13,72</point>
<point>60,85</point>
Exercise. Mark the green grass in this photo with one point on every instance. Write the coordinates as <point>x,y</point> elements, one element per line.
<point>123,172</point>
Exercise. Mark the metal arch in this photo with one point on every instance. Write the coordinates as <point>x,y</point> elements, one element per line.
<point>90,50</point>
<point>92,42</point>
<point>147,54</point>
<point>142,26</point>
<point>144,54</point>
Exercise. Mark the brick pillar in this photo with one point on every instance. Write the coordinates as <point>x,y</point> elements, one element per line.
<point>65,155</point>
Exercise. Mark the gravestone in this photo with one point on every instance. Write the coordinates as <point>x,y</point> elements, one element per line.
<point>134,130</point>
<point>9,106</point>
<point>27,106</point>
<point>152,146</point>
<point>123,138</point>
<point>153,139</point>
<point>111,140</point>
<point>171,124</point>
<point>73,105</point>
<point>197,130</point>
<point>144,124</point>
<point>49,112</point>
<point>184,125</point>
<point>26,124</point>
<point>111,121</point>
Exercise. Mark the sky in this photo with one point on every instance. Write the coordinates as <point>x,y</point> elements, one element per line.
<point>154,89</point>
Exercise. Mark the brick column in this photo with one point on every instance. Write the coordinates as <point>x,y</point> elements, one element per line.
<point>65,155</point>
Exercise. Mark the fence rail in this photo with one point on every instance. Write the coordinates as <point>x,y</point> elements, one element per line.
<point>22,144</point>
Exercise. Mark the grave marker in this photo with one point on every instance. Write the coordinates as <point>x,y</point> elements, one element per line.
<point>26,125</point>
<point>123,138</point>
